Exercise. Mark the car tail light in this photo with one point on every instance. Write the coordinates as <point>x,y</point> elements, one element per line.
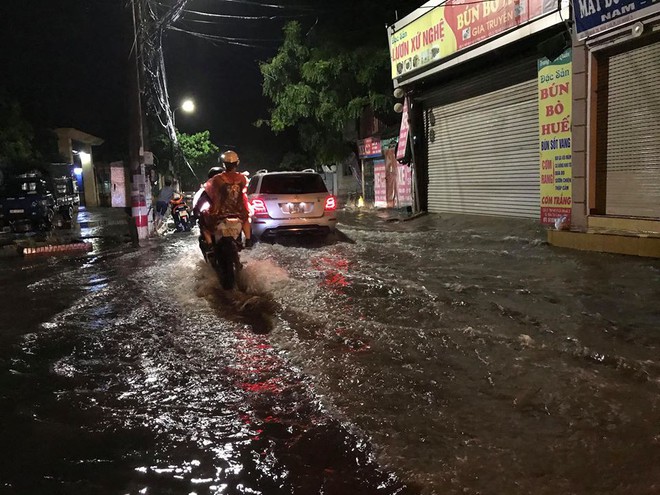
<point>259,209</point>
<point>330,204</point>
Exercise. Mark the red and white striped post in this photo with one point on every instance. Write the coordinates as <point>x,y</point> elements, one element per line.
<point>139,203</point>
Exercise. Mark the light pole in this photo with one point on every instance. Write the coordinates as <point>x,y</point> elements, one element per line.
<point>188,106</point>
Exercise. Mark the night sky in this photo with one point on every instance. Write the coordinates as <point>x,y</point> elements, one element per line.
<point>66,62</point>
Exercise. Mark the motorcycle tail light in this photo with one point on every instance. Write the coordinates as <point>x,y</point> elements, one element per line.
<point>330,204</point>
<point>259,209</point>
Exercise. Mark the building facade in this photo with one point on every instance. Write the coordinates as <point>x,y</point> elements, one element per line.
<point>518,112</point>
<point>76,147</point>
<point>616,164</point>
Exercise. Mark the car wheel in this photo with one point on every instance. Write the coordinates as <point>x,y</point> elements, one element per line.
<point>47,220</point>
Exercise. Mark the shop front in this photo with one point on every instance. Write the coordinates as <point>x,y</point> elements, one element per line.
<point>621,43</point>
<point>470,71</point>
<point>615,131</point>
<point>387,183</point>
<point>371,158</point>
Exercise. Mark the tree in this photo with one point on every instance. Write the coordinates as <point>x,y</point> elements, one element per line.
<point>16,137</point>
<point>320,86</point>
<point>199,152</point>
<point>294,161</point>
<point>197,149</point>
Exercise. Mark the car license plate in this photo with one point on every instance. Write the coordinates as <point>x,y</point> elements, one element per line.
<point>16,211</point>
<point>296,208</point>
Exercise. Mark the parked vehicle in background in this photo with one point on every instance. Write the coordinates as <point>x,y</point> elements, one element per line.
<point>31,201</point>
<point>181,213</point>
<point>67,199</point>
<point>291,203</point>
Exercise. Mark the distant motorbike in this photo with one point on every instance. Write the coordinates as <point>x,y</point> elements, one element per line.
<point>181,214</point>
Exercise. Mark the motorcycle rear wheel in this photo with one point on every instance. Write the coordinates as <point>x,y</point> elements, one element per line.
<point>225,254</point>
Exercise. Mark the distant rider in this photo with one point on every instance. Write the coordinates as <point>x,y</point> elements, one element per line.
<point>164,197</point>
<point>227,191</point>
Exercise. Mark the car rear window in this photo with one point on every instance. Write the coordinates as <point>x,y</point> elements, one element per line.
<point>292,184</point>
<point>252,185</point>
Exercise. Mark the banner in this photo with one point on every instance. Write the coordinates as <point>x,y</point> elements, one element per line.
<point>595,16</point>
<point>457,25</point>
<point>402,145</point>
<point>370,147</point>
<point>404,186</point>
<point>554,84</point>
<point>380,185</point>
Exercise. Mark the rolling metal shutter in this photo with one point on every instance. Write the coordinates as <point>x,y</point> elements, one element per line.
<point>633,133</point>
<point>483,153</point>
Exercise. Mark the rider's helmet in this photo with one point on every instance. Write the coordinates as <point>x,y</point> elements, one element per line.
<point>230,159</point>
<point>213,171</point>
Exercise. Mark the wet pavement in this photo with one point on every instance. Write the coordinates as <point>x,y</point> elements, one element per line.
<point>441,355</point>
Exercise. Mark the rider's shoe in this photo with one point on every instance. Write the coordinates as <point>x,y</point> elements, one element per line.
<point>248,243</point>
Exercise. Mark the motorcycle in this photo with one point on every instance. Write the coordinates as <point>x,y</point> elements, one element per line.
<point>225,235</point>
<point>224,254</point>
<point>181,214</point>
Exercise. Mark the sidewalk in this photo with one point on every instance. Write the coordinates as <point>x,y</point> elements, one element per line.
<point>392,219</point>
<point>91,225</point>
<point>608,236</point>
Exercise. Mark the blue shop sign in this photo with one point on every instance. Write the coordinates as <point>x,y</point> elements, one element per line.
<point>595,16</point>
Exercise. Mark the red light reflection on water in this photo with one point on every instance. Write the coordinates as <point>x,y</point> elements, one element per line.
<point>332,272</point>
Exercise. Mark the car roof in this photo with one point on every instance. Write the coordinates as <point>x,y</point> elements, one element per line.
<point>284,172</point>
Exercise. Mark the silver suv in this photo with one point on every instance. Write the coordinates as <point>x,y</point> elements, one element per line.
<point>290,203</point>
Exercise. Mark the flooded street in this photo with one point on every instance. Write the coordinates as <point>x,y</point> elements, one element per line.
<point>441,355</point>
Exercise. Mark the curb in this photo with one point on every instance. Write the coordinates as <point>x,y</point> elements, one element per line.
<point>58,248</point>
<point>101,223</point>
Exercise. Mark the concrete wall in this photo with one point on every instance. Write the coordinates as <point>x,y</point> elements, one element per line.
<point>89,176</point>
<point>347,187</point>
<point>580,208</point>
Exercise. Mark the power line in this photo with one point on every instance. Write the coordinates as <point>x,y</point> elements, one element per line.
<point>267,5</point>
<point>248,17</point>
<point>226,39</point>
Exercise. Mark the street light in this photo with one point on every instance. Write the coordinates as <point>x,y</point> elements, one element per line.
<point>187,106</point>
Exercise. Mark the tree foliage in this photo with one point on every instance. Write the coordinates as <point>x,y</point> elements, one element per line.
<point>16,136</point>
<point>319,85</point>
<point>200,153</point>
<point>197,149</point>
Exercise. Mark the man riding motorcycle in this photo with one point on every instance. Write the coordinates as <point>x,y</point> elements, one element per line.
<point>226,193</point>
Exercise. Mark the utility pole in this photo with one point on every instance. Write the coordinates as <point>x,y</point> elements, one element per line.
<point>140,186</point>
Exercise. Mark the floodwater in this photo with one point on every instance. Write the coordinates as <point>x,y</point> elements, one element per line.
<point>443,355</point>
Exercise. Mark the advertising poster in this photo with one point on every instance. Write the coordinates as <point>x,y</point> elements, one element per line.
<point>457,25</point>
<point>402,145</point>
<point>380,185</point>
<point>404,186</point>
<point>554,84</point>
<point>369,147</point>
